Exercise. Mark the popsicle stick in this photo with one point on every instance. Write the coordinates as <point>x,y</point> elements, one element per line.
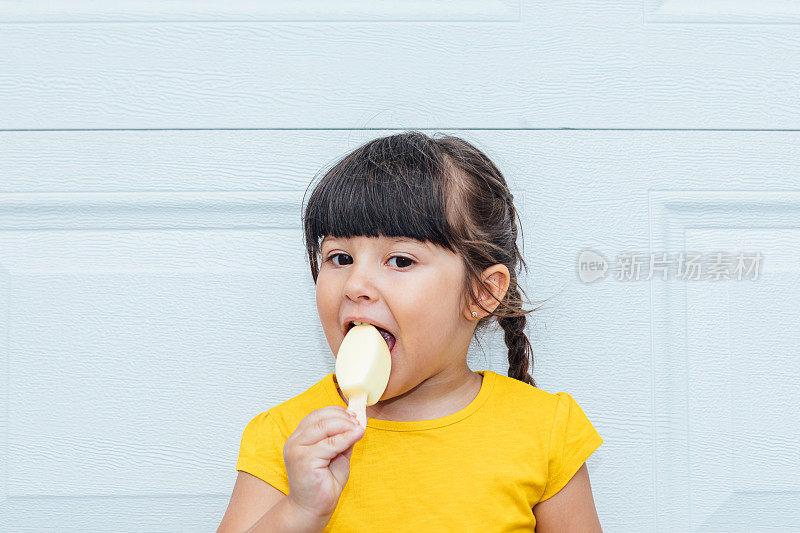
<point>358,404</point>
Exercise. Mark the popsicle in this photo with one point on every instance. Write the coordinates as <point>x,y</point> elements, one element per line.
<point>363,364</point>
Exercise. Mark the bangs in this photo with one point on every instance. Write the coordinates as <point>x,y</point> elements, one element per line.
<point>391,187</point>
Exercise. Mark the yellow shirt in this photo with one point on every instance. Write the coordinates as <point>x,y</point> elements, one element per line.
<point>480,469</point>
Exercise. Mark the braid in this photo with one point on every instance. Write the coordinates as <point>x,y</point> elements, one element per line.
<point>520,350</point>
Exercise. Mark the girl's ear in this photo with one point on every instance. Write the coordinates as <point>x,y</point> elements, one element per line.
<point>497,278</point>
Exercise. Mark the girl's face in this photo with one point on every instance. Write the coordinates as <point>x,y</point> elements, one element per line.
<point>412,288</point>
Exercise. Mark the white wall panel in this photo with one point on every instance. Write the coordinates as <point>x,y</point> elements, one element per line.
<point>155,293</point>
<point>256,11</point>
<point>575,64</point>
<point>157,297</point>
<point>724,11</point>
<point>725,354</point>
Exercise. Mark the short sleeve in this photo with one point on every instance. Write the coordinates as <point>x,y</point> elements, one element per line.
<point>572,440</point>
<point>261,451</point>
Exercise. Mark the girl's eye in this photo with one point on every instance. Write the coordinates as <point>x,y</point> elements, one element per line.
<point>330,257</point>
<point>404,258</point>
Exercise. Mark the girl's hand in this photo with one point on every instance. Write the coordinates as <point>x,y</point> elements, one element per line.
<point>317,458</point>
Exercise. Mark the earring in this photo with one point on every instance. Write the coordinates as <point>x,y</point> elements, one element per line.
<point>474,314</point>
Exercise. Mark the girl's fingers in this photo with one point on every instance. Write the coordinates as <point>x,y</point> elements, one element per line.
<point>341,436</point>
<point>324,423</point>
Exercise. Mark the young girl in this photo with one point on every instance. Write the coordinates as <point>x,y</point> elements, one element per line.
<point>417,236</point>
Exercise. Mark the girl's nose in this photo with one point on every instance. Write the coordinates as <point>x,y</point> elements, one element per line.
<point>360,284</point>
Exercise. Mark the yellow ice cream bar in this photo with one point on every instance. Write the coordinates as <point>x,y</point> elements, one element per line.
<point>363,364</point>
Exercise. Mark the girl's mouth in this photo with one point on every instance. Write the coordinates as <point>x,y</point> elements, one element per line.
<point>390,339</point>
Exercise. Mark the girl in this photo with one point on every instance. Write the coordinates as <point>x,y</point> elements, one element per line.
<point>417,236</point>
